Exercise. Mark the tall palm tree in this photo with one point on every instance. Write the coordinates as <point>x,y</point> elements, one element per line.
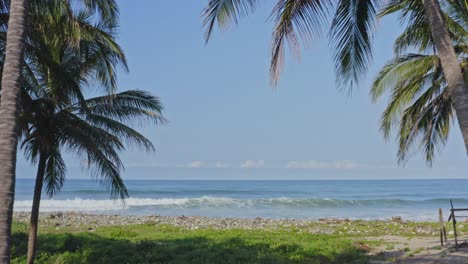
<point>56,70</point>
<point>450,66</point>
<point>421,106</point>
<point>351,31</point>
<point>94,130</point>
<point>8,122</point>
<point>13,16</point>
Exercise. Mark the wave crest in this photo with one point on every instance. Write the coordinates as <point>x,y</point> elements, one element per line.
<point>218,202</point>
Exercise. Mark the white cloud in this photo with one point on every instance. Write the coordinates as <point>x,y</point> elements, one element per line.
<point>251,164</point>
<point>315,164</point>
<point>220,165</point>
<point>195,164</point>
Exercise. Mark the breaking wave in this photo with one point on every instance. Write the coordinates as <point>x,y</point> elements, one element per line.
<point>90,205</point>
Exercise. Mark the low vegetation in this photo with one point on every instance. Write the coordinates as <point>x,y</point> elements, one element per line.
<point>149,243</point>
<point>324,242</point>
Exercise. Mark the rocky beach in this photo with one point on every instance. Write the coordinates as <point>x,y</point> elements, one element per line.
<point>393,240</point>
<point>320,226</point>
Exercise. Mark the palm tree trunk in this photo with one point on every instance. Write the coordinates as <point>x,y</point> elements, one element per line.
<point>8,120</point>
<point>35,209</point>
<point>450,65</point>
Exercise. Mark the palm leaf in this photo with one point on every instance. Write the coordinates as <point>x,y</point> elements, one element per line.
<point>351,36</point>
<point>406,78</point>
<point>101,155</point>
<point>55,173</point>
<point>131,136</point>
<point>294,20</point>
<point>429,119</point>
<point>128,106</point>
<point>225,12</point>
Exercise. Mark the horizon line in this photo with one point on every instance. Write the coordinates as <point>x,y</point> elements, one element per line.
<point>369,179</point>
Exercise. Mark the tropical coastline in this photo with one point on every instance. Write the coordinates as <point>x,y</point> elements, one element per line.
<point>370,221</point>
<point>416,200</point>
<point>241,174</point>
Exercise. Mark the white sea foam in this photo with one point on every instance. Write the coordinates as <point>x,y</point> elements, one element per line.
<point>79,204</point>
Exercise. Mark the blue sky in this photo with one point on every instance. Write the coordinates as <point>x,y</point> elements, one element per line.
<point>226,122</point>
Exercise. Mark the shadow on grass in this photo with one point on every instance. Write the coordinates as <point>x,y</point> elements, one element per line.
<point>92,248</point>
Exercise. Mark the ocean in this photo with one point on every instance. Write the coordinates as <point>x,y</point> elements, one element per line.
<point>353,199</point>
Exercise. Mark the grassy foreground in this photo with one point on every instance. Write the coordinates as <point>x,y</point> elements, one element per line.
<point>73,239</point>
<point>149,243</point>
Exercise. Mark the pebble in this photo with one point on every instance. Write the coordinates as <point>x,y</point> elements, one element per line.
<point>322,226</point>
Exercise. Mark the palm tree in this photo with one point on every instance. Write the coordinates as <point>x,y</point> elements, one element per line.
<point>350,34</point>
<point>95,130</point>
<point>13,16</point>
<point>421,106</point>
<point>55,114</point>
<point>8,121</point>
<point>450,66</point>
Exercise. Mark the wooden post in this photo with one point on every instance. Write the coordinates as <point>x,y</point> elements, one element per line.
<point>455,229</point>
<point>443,232</point>
<point>440,227</point>
<point>454,221</point>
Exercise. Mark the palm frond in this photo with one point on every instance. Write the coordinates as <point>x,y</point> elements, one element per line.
<point>351,36</point>
<point>54,173</point>
<point>458,11</point>
<point>410,11</point>
<point>225,12</point>
<point>406,81</point>
<point>131,136</point>
<point>100,148</point>
<point>417,34</point>
<point>107,9</point>
<point>73,127</point>
<point>294,20</point>
<point>101,54</point>
<point>400,69</point>
<point>428,119</point>
<point>128,107</point>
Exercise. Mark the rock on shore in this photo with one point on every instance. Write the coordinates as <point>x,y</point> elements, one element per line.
<point>394,226</point>
<point>190,222</point>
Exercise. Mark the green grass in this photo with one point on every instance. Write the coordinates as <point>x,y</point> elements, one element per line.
<point>167,244</point>
<point>317,242</point>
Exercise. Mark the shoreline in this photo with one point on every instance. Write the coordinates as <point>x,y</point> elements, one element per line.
<point>315,226</point>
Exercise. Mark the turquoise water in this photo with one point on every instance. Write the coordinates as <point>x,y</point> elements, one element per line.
<point>367,199</point>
